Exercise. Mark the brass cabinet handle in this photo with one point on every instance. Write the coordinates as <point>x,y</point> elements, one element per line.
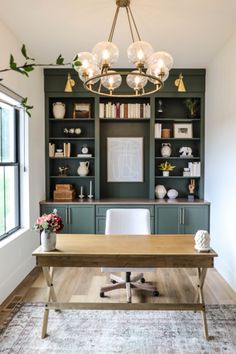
<point>183,217</point>
<point>69,218</point>
<point>180,216</point>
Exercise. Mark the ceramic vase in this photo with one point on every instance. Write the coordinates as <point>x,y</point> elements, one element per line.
<point>165,150</point>
<point>202,241</point>
<point>160,191</point>
<point>165,173</point>
<point>172,193</point>
<point>59,110</point>
<point>48,240</point>
<point>83,168</point>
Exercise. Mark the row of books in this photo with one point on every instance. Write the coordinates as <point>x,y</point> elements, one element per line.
<point>124,110</point>
<point>65,152</point>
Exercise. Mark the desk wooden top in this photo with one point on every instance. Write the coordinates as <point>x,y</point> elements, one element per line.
<point>124,251</point>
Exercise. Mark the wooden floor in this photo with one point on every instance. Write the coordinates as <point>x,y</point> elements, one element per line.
<point>83,285</point>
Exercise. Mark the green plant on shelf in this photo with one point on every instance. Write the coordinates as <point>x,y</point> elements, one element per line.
<point>192,106</point>
<point>166,166</point>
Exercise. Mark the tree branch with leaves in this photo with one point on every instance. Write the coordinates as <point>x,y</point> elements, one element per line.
<point>29,65</point>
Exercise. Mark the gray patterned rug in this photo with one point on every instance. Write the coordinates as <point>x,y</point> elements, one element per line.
<point>124,332</point>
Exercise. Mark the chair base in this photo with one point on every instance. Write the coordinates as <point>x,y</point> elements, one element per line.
<point>137,282</point>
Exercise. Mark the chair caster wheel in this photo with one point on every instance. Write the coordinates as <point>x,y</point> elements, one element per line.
<point>113,281</point>
<point>142,280</point>
<point>102,295</point>
<point>156,293</point>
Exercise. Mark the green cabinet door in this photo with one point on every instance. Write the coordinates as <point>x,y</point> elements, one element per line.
<point>167,220</point>
<point>61,211</point>
<point>82,219</point>
<point>195,218</point>
<point>182,219</point>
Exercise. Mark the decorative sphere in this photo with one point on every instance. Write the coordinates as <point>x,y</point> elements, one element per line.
<point>202,241</point>
<point>87,73</point>
<point>111,82</point>
<point>162,59</point>
<point>139,52</point>
<point>105,53</point>
<point>172,193</point>
<point>160,191</point>
<point>155,70</point>
<point>85,58</point>
<point>136,82</point>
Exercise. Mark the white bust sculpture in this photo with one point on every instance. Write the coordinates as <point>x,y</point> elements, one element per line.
<point>202,241</point>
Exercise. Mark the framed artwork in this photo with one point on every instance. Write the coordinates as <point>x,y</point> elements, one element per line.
<point>125,159</point>
<point>182,131</point>
<point>82,110</point>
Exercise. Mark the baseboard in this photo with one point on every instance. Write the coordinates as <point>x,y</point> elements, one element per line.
<point>15,278</point>
<point>226,272</point>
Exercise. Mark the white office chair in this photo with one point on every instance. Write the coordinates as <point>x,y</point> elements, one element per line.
<point>128,222</point>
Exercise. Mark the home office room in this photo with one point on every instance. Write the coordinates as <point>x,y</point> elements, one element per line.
<point>117,176</point>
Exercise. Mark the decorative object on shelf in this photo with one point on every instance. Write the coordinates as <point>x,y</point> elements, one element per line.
<point>70,83</point>
<point>82,110</point>
<point>183,131</point>
<point>185,151</point>
<point>186,172</point>
<point>83,169</point>
<point>96,72</point>
<point>59,153</point>
<point>165,133</point>
<point>180,83</point>
<point>195,168</point>
<point>165,150</point>
<point>49,225</point>
<point>63,170</point>
<point>158,127</point>
<point>72,131</point>
<point>166,167</point>
<point>191,188</point>
<point>172,193</point>
<point>84,149</point>
<point>159,108</point>
<point>59,110</point>
<point>81,195</point>
<point>192,106</point>
<point>64,192</point>
<point>90,195</point>
<point>202,241</point>
<point>160,191</point>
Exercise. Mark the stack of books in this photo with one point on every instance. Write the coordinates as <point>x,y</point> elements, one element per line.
<point>124,110</point>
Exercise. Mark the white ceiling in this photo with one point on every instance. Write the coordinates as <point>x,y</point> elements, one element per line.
<point>191,30</point>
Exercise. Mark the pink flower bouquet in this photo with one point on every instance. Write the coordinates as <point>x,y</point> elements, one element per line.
<point>51,222</point>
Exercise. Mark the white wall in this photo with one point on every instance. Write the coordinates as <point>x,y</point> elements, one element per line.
<point>15,252</point>
<point>220,151</point>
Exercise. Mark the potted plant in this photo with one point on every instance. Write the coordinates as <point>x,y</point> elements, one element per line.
<point>49,225</point>
<point>166,167</point>
<point>192,106</point>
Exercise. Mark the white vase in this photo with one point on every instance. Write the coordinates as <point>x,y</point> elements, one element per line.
<point>172,193</point>
<point>59,110</point>
<point>160,191</point>
<point>202,241</point>
<point>83,168</point>
<point>48,240</point>
<point>166,150</point>
<point>165,173</point>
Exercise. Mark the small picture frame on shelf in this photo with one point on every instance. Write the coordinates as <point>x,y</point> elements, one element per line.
<point>183,131</point>
<point>82,110</point>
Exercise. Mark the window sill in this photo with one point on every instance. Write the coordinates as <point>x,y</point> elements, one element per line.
<point>13,237</point>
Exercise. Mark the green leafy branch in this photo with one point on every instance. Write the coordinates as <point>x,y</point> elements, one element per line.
<point>29,65</point>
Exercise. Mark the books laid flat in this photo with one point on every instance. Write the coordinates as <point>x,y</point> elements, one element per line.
<point>84,155</point>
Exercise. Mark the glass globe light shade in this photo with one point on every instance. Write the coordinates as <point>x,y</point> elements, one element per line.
<point>111,82</point>
<point>87,73</point>
<point>139,52</point>
<point>162,59</point>
<point>105,53</point>
<point>85,58</point>
<point>161,73</point>
<point>136,82</point>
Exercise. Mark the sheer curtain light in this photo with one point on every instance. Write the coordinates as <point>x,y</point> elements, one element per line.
<point>150,69</point>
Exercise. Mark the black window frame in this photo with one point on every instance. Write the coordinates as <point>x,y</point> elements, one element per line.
<point>16,163</point>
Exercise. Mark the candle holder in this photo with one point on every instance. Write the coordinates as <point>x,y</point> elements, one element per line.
<point>81,196</point>
<point>202,241</point>
<point>90,196</point>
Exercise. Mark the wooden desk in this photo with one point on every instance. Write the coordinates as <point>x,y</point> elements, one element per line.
<point>161,251</point>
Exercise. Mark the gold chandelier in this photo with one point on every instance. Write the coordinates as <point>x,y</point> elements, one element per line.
<point>151,69</point>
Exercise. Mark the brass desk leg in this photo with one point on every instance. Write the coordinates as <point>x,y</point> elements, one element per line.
<point>48,275</point>
<point>201,279</point>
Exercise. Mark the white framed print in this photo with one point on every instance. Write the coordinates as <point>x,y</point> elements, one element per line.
<point>125,159</point>
<point>183,131</point>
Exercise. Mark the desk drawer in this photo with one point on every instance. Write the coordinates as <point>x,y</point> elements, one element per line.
<point>101,209</point>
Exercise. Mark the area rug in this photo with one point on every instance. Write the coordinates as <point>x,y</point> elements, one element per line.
<point>124,332</point>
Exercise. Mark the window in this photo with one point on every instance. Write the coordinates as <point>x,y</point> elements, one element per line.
<point>9,169</point>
